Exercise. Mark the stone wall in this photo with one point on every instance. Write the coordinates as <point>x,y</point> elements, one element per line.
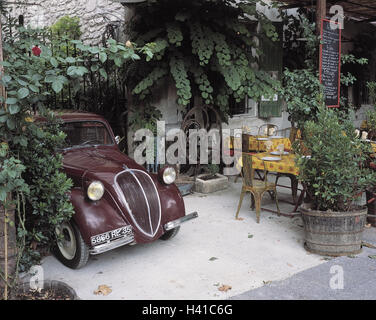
<point>94,15</point>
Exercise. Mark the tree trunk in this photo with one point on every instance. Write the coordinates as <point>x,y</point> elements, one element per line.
<point>8,245</point>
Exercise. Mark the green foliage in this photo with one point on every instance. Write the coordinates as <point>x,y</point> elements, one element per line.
<point>348,78</point>
<point>48,201</point>
<point>301,86</point>
<point>31,80</point>
<point>301,43</point>
<point>336,174</point>
<point>67,26</point>
<point>371,114</point>
<point>145,118</point>
<point>205,47</point>
<point>371,85</point>
<point>301,90</point>
<point>11,170</point>
<point>213,169</point>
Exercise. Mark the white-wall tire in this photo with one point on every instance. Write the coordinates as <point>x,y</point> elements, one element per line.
<point>72,251</point>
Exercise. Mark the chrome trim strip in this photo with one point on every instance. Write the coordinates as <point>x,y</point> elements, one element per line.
<point>121,194</point>
<point>175,223</point>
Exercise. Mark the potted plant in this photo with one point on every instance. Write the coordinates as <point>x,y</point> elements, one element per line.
<point>211,181</point>
<point>334,176</point>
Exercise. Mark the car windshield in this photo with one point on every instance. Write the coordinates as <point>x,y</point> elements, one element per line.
<point>86,133</point>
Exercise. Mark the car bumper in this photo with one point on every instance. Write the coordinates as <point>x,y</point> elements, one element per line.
<point>111,245</point>
<point>130,240</point>
<point>175,223</point>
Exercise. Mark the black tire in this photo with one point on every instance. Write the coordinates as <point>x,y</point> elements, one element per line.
<point>74,253</point>
<point>170,234</point>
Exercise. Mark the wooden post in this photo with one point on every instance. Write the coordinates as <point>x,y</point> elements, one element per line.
<point>320,14</point>
<point>7,232</point>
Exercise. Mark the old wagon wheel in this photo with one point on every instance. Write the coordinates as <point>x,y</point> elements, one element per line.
<point>200,117</point>
<point>188,168</point>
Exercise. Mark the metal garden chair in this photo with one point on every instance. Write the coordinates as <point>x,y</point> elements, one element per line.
<point>257,188</point>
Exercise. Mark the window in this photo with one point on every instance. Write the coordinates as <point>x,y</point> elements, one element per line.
<point>237,107</point>
<point>271,61</point>
<point>86,133</point>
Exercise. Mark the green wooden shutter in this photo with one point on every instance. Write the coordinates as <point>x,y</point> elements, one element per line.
<point>271,60</point>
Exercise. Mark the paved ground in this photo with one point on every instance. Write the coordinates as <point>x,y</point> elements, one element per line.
<point>210,251</point>
<point>342,278</point>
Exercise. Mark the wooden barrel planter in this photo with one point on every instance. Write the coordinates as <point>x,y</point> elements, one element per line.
<point>371,205</point>
<point>333,233</point>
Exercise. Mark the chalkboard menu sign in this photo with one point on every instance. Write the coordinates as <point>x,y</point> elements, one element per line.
<point>330,61</point>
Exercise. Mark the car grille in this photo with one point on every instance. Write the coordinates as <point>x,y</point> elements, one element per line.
<point>140,197</point>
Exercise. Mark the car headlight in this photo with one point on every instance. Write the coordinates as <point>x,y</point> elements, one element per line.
<point>95,190</point>
<point>168,175</point>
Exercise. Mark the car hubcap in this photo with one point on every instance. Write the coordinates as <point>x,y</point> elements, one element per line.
<point>66,240</point>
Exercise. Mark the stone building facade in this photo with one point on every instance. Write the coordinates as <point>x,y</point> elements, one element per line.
<point>94,15</point>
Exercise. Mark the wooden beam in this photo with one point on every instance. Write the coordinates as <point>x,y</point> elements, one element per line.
<point>320,14</point>
<point>349,6</point>
<point>361,5</point>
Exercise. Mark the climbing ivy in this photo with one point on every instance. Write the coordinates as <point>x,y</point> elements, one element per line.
<point>206,47</point>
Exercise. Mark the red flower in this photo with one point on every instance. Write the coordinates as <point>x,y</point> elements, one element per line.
<point>36,51</point>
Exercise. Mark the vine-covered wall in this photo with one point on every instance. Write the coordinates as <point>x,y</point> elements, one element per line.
<point>94,15</point>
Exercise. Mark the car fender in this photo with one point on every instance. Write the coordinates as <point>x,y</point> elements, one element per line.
<point>94,217</point>
<point>172,203</point>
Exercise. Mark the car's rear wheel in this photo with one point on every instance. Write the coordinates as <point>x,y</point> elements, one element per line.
<point>71,249</point>
<point>170,234</point>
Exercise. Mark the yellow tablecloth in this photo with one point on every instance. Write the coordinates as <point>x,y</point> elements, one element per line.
<point>286,165</point>
<point>373,144</point>
<point>259,145</point>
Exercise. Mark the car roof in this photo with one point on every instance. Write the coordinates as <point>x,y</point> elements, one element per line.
<point>72,115</point>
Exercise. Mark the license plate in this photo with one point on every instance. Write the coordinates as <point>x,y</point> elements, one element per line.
<point>123,232</point>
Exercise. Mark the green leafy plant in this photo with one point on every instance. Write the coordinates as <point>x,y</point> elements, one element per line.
<point>371,85</point>
<point>48,202</point>
<point>301,86</point>
<point>145,118</point>
<point>67,26</point>
<point>213,169</point>
<point>337,173</point>
<point>205,47</point>
<point>11,184</point>
<point>370,123</point>
<point>300,91</point>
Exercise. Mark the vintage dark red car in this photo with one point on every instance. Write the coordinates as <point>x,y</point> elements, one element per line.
<point>116,201</point>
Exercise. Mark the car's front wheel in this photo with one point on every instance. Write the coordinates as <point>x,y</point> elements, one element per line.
<point>170,233</point>
<point>70,248</point>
